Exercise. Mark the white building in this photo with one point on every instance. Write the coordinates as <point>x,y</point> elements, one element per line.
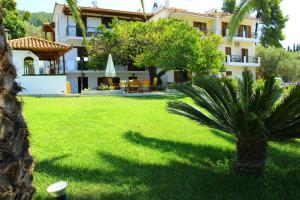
<point>37,68</point>
<point>239,54</point>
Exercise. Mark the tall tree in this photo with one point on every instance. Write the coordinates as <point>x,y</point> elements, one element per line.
<point>254,116</point>
<point>279,62</point>
<point>229,6</point>
<point>167,44</point>
<point>272,25</point>
<point>13,20</point>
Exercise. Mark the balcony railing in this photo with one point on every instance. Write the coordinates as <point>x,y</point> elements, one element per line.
<point>243,34</point>
<point>242,59</point>
<point>73,32</point>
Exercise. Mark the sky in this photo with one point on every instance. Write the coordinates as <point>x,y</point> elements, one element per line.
<point>289,7</point>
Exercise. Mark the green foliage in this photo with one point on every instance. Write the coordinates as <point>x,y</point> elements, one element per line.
<point>168,44</point>
<point>280,63</point>
<point>13,20</point>
<point>273,25</point>
<point>254,115</point>
<point>244,9</point>
<point>271,19</point>
<point>229,6</point>
<point>40,18</point>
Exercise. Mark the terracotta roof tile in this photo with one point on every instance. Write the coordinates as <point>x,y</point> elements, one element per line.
<point>34,43</point>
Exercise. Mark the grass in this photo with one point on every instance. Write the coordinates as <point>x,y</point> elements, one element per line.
<point>131,148</point>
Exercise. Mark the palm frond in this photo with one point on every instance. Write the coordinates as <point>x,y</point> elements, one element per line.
<point>215,97</point>
<point>196,115</point>
<point>285,118</point>
<point>143,7</point>
<point>77,17</point>
<point>241,12</point>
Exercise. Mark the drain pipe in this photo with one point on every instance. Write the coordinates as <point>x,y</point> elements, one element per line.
<point>58,190</point>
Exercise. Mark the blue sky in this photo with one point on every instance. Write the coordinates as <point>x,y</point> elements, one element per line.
<point>290,8</point>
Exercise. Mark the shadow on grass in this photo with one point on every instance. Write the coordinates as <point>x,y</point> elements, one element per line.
<point>202,173</point>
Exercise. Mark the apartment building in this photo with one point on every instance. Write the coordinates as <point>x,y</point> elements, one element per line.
<point>63,29</point>
<point>239,53</point>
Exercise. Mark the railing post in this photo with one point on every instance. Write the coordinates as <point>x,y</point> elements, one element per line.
<point>244,34</point>
<point>259,59</point>
<point>245,59</point>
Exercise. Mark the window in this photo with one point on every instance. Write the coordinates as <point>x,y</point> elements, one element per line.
<point>29,66</point>
<point>106,21</point>
<point>200,26</point>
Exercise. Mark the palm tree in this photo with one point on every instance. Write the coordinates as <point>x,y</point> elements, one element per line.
<point>253,115</point>
<point>16,164</point>
<point>16,167</point>
<point>246,7</point>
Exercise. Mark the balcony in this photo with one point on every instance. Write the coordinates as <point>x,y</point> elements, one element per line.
<point>244,61</point>
<point>242,36</point>
<point>74,32</point>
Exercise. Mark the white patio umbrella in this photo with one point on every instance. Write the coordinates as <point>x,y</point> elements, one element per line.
<point>110,71</point>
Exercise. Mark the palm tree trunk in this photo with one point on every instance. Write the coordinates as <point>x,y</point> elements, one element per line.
<point>16,162</point>
<point>251,157</point>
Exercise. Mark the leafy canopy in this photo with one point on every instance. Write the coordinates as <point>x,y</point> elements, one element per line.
<point>168,44</point>
<point>13,20</point>
<point>279,62</point>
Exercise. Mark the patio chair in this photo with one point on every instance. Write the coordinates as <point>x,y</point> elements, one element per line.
<point>133,86</point>
<point>146,86</point>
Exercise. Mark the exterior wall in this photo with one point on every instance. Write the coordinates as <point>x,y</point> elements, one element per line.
<point>18,60</point>
<point>43,85</point>
<point>238,70</point>
<point>70,59</point>
<point>37,84</point>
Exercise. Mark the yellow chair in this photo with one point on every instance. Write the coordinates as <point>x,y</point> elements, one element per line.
<point>146,86</point>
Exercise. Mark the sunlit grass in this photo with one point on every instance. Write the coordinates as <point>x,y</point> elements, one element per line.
<point>131,148</point>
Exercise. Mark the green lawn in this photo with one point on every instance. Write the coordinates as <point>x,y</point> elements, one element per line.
<point>131,148</point>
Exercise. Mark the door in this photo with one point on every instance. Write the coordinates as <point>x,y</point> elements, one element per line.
<point>224,27</point>
<point>245,53</point>
<point>228,52</point>
<point>85,83</point>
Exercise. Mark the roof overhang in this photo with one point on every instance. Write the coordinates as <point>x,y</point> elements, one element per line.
<point>44,49</point>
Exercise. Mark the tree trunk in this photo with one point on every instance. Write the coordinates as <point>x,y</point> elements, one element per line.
<point>16,162</point>
<point>153,73</point>
<point>251,157</point>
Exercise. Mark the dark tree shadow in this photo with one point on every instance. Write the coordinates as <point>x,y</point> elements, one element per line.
<point>198,176</point>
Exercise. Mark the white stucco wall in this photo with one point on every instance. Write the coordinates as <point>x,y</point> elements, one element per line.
<point>43,85</point>
<point>18,60</point>
<point>37,84</point>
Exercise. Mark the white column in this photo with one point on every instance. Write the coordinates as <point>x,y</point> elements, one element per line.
<point>218,26</point>
<point>228,58</point>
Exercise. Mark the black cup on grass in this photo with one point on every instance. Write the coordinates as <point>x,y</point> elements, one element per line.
<point>58,190</point>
